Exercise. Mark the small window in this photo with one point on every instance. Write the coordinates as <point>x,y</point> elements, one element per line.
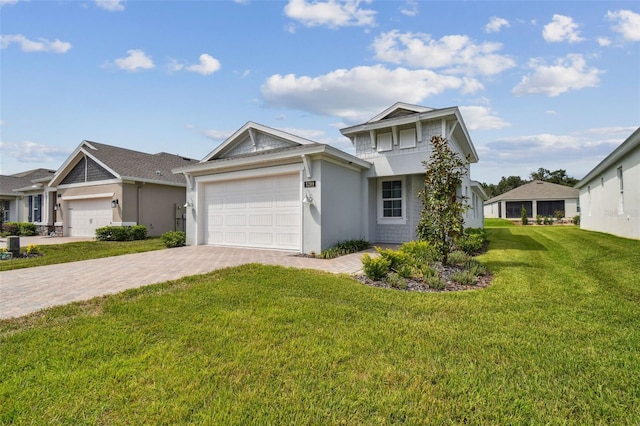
<point>384,142</point>
<point>392,198</point>
<point>407,138</point>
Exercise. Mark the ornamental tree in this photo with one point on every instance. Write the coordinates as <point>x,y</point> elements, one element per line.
<point>441,218</point>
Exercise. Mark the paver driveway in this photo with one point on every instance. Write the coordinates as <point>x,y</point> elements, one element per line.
<point>23,291</point>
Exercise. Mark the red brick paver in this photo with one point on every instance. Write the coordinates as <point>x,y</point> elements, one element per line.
<point>23,291</point>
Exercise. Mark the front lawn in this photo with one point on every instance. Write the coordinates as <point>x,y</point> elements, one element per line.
<point>82,250</point>
<point>553,340</point>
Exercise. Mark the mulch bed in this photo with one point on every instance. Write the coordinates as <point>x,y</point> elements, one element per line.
<point>445,272</point>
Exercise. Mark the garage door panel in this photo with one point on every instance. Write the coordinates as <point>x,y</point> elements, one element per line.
<point>85,216</point>
<point>260,212</point>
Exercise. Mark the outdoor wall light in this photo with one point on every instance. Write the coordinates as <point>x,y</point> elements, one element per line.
<point>114,203</point>
<point>308,199</point>
<point>188,204</point>
<point>57,206</point>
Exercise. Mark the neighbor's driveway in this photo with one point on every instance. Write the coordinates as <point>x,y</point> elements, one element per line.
<point>23,291</point>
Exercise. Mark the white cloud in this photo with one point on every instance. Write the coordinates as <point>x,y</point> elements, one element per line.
<point>410,8</point>
<point>136,60</point>
<point>357,93</point>
<point>603,41</point>
<point>33,152</point>
<point>561,28</point>
<point>208,65</point>
<point>331,13</point>
<point>627,24</point>
<point>577,152</point>
<point>218,135</point>
<point>453,53</point>
<point>174,66</point>
<point>6,2</point>
<point>482,118</point>
<point>111,5</point>
<point>42,45</point>
<point>551,112</point>
<point>569,73</point>
<point>496,24</point>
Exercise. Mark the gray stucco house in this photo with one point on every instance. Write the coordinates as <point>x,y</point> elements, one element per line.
<point>610,193</point>
<point>539,198</point>
<point>100,185</point>
<point>266,188</point>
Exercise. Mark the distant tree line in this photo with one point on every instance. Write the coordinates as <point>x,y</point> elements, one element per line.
<point>508,183</point>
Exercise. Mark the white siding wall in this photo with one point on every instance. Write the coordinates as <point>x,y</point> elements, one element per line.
<point>600,200</point>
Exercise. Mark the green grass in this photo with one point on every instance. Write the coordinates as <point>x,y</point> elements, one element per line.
<point>83,250</point>
<point>497,223</point>
<point>554,340</point>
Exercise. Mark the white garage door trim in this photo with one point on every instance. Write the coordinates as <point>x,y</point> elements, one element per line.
<point>86,214</point>
<point>256,212</point>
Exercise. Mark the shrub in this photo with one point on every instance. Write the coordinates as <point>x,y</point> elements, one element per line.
<point>395,281</point>
<point>138,232</point>
<point>463,277</point>
<point>548,220</point>
<point>405,271</point>
<point>174,239</point>
<point>32,249</point>
<point>343,248</point>
<point>397,259</point>
<point>576,220</point>
<point>11,228</point>
<point>457,258</point>
<point>523,215</point>
<point>435,282</point>
<point>539,220</point>
<point>471,242</point>
<point>26,229</point>
<point>424,271</point>
<point>475,267</point>
<point>558,214</point>
<point>121,233</point>
<point>375,268</point>
<point>419,251</point>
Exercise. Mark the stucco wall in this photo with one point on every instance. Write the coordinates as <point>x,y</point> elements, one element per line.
<point>158,208</point>
<point>600,200</point>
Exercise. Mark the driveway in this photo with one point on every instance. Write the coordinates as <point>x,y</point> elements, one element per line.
<point>23,291</point>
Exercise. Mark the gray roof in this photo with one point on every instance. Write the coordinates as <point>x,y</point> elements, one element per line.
<point>9,183</point>
<point>537,190</point>
<point>139,165</point>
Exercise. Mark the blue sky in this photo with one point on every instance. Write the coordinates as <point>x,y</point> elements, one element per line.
<point>540,84</point>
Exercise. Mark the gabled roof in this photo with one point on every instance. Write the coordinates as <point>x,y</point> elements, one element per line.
<point>401,113</point>
<point>631,143</point>
<point>537,190</point>
<point>23,181</point>
<point>399,109</point>
<point>249,130</point>
<point>127,164</point>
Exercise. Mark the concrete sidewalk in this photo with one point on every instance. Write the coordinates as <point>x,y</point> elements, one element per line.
<point>23,291</point>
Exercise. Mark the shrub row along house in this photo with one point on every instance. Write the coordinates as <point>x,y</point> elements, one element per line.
<point>262,187</point>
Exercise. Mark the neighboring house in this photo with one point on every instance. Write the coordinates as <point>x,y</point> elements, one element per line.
<point>266,188</point>
<point>100,185</point>
<point>538,198</point>
<point>23,197</point>
<point>610,193</point>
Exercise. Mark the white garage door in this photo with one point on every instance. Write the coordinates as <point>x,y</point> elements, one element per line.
<point>258,212</point>
<point>87,215</point>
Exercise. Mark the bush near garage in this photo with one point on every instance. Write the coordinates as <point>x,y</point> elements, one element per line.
<point>121,233</point>
<point>24,229</point>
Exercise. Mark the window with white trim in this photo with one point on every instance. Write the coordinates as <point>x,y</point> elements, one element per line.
<point>391,201</point>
